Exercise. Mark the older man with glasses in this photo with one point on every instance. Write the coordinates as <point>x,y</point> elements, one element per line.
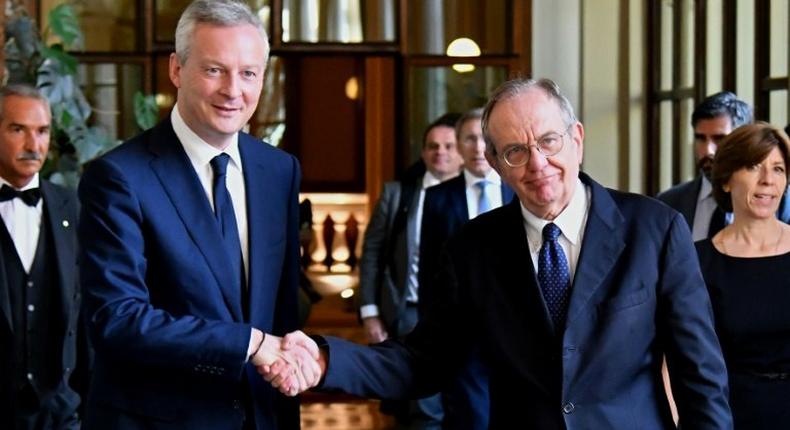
<point>573,293</point>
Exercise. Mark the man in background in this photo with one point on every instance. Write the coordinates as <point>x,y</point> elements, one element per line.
<point>712,120</point>
<point>447,208</point>
<point>389,287</point>
<point>39,295</point>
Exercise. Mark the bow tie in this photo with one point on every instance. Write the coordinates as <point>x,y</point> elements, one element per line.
<point>30,196</point>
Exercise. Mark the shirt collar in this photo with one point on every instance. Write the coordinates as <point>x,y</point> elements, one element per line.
<point>492,177</point>
<point>197,149</point>
<point>428,180</point>
<point>569,220</point>
<point>34,183</point>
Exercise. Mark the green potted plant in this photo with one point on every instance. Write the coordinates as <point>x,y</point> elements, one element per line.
<point>31,58</point>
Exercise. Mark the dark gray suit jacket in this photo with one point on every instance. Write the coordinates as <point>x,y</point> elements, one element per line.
<point>383,268</point>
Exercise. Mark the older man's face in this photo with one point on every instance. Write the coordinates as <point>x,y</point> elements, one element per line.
<point>24,139</point>
<point>545,184</point>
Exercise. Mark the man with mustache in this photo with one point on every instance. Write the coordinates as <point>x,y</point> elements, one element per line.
<point>712,120</point>
<point>39,295</point>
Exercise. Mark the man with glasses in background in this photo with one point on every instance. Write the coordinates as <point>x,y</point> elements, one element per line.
<point>573,293</point>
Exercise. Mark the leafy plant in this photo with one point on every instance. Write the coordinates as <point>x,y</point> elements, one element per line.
<point>146,112</point>
<point>32,59</point>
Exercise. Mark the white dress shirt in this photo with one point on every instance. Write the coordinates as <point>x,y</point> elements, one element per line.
<point>23,223</point>
<point>200,154</point>
<point>572,221</point>
<point>493,191</point>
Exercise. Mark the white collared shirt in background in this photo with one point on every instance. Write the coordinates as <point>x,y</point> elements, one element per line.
<point>23,223</point>
<point>493,191</point>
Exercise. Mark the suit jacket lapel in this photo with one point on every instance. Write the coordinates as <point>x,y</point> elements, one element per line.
<point>261,184</point>
<point>180,182</point>
<point>520,282</point>
<point>601,247</point>
<point>688,204</point>
<point>458,197</point>
<point>5,298</point>
<point>61,225</point>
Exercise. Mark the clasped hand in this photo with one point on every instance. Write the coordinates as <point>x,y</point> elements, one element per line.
<point>292,364</point>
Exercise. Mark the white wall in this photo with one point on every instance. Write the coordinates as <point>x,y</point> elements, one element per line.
<point>579,44</point>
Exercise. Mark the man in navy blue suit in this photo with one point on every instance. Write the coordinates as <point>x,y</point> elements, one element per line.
<point>190,259</point>
<point>573,293</point>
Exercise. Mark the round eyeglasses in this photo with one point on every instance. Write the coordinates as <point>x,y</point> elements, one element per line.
<point>550,144</point>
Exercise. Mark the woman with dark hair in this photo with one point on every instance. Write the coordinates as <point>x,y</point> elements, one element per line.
<point>747,270</point>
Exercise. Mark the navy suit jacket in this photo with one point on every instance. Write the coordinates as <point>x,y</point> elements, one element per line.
<point>444,212</point>
<point>61,405</point>
<point>683,198</point>
<point>164,306</point>
<point>637,295</point>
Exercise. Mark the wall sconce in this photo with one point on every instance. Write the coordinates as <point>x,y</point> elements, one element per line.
<point>463,47</point>
<point>352,88</point>
<point>164,101</point>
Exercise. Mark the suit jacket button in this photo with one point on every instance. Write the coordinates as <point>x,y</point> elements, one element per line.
<point>237,404</point>
<point>568,408</point>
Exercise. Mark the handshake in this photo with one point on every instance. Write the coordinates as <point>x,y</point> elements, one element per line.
<point>292,364</point>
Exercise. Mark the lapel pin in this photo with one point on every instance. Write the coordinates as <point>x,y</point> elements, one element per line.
<point>65,223</point>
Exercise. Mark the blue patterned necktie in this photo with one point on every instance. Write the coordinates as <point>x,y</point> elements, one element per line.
<point>483,204</point>
<point>226,217</point>
<point>553,275</point>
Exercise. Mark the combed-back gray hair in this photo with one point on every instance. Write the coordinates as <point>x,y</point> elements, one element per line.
<point>515,87</point>
<point>222,13</point>
<point>21,90</point>
<point>476,113</point>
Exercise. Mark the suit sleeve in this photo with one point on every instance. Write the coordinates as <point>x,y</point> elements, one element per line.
<point>121,319</point>
<point>285,318</point>
<point>374,247</point>
<point>422,364</point>
<point>694,358</point>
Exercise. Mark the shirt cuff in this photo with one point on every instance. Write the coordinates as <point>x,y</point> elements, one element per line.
<point>368,311</point>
